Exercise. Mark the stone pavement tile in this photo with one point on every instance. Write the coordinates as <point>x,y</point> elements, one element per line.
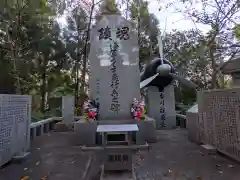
<point>52,155</point>
<point>173,157</point>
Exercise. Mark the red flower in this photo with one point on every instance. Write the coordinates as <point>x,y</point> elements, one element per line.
<point>92,114</point>
<point>139,115</point>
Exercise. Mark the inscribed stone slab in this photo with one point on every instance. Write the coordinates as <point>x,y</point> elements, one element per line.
<point>161,106</point>
<point>114,71</point>
<point>15,117</point>
<point>220,112</point>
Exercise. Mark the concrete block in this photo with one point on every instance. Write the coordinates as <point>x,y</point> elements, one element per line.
<point>63,127</point>
<point>147,131</point>
<point>208,149</point>
<point>86,132</point>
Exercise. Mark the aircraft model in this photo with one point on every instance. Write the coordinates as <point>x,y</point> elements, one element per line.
<point>161,72</point>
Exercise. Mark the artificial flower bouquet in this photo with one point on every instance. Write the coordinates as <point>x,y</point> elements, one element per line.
<point>91,110</point>
<point>138,109</point>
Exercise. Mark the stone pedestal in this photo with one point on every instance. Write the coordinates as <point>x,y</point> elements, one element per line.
<point>86,132</point>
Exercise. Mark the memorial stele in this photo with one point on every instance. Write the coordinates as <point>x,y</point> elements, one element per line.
<point>114,67</point>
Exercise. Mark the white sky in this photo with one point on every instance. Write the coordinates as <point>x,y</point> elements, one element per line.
<point>171,19</point>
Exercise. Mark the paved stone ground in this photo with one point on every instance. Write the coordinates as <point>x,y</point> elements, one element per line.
<point>53,155</point>
<point>175,158</point>
<point>172,158</point>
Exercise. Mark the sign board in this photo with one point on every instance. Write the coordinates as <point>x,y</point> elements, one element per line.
<point>114,67</point>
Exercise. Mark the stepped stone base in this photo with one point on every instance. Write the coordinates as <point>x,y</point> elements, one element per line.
<point>86,131</point>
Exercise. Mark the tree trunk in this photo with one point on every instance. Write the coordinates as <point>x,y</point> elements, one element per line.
<point>43,86</point>
<point>76,84</point>
<point>82,87</point>
<point>214,74</point>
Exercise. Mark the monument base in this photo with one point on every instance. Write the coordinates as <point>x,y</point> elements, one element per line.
<point>86,132</point>
<point>117,175</point>
<point>118,158</point>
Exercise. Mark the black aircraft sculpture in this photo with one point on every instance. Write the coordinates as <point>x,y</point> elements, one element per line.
<point>160,72</point>
<point>151,74</point>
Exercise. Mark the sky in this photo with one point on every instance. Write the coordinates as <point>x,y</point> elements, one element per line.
<point>170,19</point>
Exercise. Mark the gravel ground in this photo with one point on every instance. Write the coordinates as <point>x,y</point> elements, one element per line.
<point>55,156</point>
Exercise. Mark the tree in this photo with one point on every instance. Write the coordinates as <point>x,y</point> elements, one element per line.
<point>147,30</point>
<point>221,16</point>
<point>75,37</point>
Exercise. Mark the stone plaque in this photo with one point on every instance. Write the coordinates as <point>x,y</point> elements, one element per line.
<point>15,116</point>
<point>68,109</point>
<point>118,159</point>
<point>220,116</point>
<point>114,69</point>
<point>161,106</point>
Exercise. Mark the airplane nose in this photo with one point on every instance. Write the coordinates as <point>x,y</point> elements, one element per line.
<point>164,69</point>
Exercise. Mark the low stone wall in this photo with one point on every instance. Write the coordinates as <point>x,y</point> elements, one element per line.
<point>43,126</point>
<point>219,120</point>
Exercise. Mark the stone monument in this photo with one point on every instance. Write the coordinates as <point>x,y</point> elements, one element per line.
<point>115,77</point>
<point>68,109</point>
<point>114,84</point>
<point>15,117</point>
<point>158,78</point>
<point>161,106</point>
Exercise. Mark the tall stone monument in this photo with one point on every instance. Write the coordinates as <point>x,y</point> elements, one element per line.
<point>114,69</point>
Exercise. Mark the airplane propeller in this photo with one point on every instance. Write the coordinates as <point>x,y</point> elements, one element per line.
<point>165,70</point>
